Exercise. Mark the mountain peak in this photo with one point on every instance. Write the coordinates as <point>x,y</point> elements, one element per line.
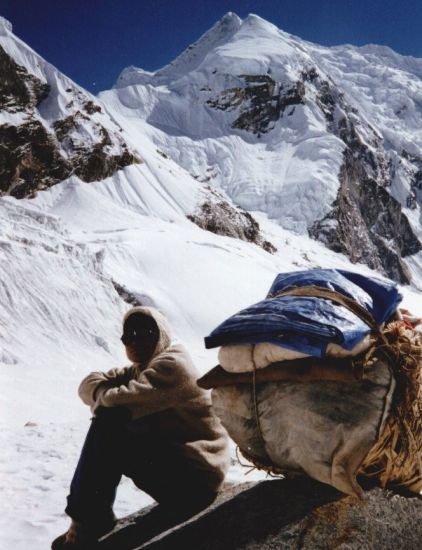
<point>189,59</point>
<point>5,25</point>
<point>230,20</point>
<point>257,21</point>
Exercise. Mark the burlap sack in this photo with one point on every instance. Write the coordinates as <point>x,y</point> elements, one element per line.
<point>322,428</point>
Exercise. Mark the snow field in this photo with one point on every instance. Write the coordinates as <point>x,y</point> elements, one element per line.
<point>60,253</point>
<point>63,320</point>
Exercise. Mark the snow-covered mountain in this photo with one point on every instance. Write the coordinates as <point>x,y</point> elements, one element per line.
<point>248,117</point>
<point>51,130</point>
<point>49,127</point>
<point>325,141</point>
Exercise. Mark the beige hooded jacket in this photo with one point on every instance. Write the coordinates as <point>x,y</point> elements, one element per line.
<point>165,400</point>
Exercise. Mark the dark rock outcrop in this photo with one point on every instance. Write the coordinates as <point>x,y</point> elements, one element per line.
<point>219,216</point>
<point>414,171</point>
<point>32,157</point>
<point>29,159</point>
<point>282,514</point>
<point>19,89</point>
<point>261,102</point>
<point>367,223</point>
<point>134,299</point>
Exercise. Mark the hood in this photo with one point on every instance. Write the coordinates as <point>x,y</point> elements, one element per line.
<point>164,339</point>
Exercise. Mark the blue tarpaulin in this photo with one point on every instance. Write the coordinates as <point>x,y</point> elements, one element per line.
<point>308,324</point>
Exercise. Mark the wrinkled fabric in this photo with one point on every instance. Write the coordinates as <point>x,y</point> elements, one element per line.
<point>306,324</point>
<point>111,450</point>
<point>248,357</point>
<point>164,401</point>
<point>324,429</point>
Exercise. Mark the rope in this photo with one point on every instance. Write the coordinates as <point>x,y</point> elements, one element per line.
<point>255,402</point>
<point>314,291</point>
<point>396,458</point>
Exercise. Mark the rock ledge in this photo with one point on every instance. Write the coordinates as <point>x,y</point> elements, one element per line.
<point>284,514</point>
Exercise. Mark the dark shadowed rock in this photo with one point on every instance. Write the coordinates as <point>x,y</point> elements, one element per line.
<point>219,216</point>
<point>261,102</point>
<point>32,157</point>
<point>367,224</point>
<point>282,514</point>
<point>18,88</point>
<point>29,159</point>
<point>134,299</point>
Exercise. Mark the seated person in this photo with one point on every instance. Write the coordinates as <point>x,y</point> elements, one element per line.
<point>151,423</point>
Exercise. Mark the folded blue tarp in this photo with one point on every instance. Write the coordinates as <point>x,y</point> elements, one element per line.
<point>308,324</point>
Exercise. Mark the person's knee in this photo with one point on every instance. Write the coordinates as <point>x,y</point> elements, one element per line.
<point>112,414</point>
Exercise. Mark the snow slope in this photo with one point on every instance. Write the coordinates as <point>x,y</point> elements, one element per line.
<point>64,254</point>
<point>60,318</point>
<point>299,160</point>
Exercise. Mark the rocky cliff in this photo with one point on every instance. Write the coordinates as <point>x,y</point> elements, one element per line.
<point>366,222</point>
<point>50,128</point>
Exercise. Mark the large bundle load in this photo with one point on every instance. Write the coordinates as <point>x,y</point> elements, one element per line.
<point>323,377</point>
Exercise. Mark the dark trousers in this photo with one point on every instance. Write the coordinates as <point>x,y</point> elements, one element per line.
<point>111,450</point>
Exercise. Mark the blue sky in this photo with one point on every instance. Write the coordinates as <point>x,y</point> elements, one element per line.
<point>93,40</point>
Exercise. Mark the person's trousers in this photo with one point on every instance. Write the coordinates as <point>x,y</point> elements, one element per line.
<point>112,450</point>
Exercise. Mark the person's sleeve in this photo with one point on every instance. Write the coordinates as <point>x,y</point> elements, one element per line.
<point>90,385</point>
<point>159,387</point>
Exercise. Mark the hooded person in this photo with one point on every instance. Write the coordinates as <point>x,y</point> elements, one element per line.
<point>151,423</point>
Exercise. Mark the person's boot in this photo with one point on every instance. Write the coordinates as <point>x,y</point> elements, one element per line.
<point>81,537</point>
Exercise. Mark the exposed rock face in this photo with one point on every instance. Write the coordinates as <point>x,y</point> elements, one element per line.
<point>261,102</point>
<point>220,217</point>
<point>97,162</point>
<point>32,157</point>
<point>367,224</point>
<point>19,89</point>
<point>284,514</point>
<point>415,176</point>
<point>132,298</point>
<point>29,159</point>
<point>344,121</point>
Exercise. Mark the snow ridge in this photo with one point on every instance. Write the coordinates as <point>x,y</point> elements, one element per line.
<point>5,25</point>
<point>187,61</point>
